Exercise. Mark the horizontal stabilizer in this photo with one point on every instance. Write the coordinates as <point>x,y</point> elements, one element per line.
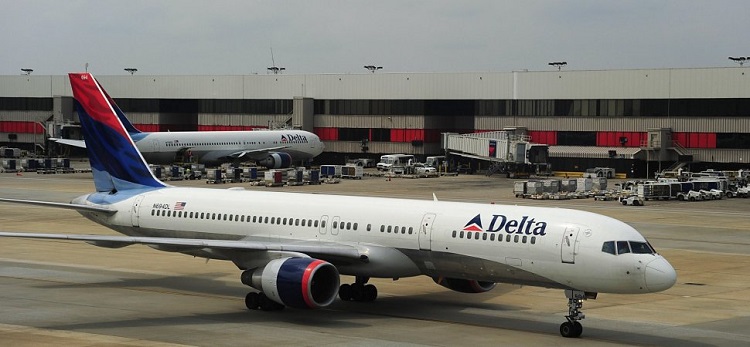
<point>68,206</point>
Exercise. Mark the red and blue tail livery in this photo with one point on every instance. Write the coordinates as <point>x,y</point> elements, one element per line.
<point>115,161</point>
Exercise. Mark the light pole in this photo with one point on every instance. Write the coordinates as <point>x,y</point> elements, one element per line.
<point>373,68</point>
<point>276,70</point>
<point>739,60</point>
<point>27,71</point>
<point>558,64</point>
<point>132,70</point>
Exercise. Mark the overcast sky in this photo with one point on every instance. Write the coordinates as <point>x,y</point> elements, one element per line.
<point>54,37</point>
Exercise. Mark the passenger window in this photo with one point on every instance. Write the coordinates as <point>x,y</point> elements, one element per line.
<point>461,235</point>
<point>533,240</point>
<point>608,247</point>
<point>348,225</point>
<point>382,228</point>
<point>507,238</point>
<point>484,236</point>
<point>230,217</point>
<point>622,247</point>
<point>369,227</point>
<point>476,236</point>
<point>515,239</point>
<point>322,223</point>
<point>153,212</point>
<point>303,222</point>
<point>523,239</point>
<point>492,237</point>
<point>403,230</point>
<point>469,234</point>
<point>411,230</point>
<point>389,229</point>
<point>335,224</point>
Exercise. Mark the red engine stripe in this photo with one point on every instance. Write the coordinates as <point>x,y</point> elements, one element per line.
<point>306,295</point>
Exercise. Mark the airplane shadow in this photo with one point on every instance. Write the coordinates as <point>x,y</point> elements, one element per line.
<point>448,307</point>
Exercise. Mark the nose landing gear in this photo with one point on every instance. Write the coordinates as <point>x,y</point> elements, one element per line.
<point>573,328</point>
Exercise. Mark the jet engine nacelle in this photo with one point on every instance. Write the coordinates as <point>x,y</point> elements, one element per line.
<point>464,286</point>
<point>278,160</point>
<point>296,282</point>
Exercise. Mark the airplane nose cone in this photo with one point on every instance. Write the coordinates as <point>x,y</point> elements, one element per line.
<point>660,275</point>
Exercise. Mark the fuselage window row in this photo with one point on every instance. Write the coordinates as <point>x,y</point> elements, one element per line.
<point>485,236</point>
<point>249,219</point>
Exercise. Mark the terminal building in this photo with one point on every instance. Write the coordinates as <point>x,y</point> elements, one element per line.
<point>637,121</point>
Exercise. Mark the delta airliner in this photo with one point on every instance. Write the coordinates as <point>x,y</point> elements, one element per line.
<point>292,248</point>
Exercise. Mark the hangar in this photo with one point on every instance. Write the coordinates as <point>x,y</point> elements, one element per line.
<point>625,119</point>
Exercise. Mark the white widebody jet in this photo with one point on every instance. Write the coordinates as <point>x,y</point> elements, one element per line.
<point>292,248</point>
<point>273,149</point>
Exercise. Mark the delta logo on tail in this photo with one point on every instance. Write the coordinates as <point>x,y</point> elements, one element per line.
<point>526,225</point>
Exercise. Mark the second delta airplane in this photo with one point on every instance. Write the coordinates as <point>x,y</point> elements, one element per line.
<point>292,248</point>
<point>274,149</point>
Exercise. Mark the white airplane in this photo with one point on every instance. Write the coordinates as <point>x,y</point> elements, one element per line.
<point>293,247</point>
<point>273,149</point>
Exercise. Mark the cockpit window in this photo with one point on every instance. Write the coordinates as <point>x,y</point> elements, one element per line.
<point>622,247</point>
<point>641,247</point>
<point>609,247</point>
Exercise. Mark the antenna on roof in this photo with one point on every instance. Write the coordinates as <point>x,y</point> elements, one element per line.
<point>275,69</point>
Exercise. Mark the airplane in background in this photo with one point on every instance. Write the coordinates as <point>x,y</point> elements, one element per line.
<point>273,149</point>
<point>293,247</point>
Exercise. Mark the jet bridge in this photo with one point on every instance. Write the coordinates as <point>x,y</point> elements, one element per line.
<point>503,151</point>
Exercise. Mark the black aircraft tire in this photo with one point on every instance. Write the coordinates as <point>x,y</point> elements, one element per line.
<point>567,329</point>
<point>358,292</point>
<point>252,301</point>
<point>371,292</point>
<point>345,292</point>
<point>578,329</point>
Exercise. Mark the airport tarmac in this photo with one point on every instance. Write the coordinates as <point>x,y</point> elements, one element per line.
<point>71,293</point>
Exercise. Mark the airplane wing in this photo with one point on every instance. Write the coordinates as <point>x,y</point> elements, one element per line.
<point>251,153</point>
<point>69,142</point>
<point>63,205</point>
<point>182,244</point>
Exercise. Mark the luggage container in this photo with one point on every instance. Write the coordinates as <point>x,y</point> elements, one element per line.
<point>330,170</point>
<point>568,185</point>
<point>214,176</point>
<point>551,186</point>
<point>314,176</point>
<point>352,171</point>
<point>584,184</point>
<point>250,173</point>
<point>9,165</point>
<point>655,191</point>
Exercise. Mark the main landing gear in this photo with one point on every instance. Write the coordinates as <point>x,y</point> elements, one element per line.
<point>573,328</point>
<point>358,291</point>
<point>259,301</point>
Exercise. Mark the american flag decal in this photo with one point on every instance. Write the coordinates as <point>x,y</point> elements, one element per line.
<point>180,205</point>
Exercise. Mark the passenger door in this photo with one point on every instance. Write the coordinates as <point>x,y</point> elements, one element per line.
<point>425,232</point>
<point>569,243</point>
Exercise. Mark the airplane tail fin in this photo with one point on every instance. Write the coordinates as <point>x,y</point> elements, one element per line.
<point>115,161</point>
<point>129,127</point>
